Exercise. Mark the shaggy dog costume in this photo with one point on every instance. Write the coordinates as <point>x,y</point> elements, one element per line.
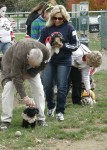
<point>29,117</point>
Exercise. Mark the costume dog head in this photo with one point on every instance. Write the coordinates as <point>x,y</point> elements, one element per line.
<point>55,40</point>
<point>29,116</point>
<point>88,99</point>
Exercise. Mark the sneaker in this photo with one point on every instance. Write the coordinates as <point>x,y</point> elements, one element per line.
<point>4,125</point>
<point>42,123</point>
<point>60,116</point>
<point>50,112</point>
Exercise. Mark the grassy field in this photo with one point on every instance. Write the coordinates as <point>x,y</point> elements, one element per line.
<point>94,40</point>
<point>81,123</point>
<point>19,36</point>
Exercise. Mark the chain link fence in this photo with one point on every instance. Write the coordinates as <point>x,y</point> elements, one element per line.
<point>95,36</point>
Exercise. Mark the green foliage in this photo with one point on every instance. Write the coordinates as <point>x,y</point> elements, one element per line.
<point>24,5</point>
<point>19,36</point>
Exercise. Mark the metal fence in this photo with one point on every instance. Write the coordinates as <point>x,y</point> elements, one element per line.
<point>93,29</point>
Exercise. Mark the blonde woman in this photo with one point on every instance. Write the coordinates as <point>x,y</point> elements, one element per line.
<point>59,67</point>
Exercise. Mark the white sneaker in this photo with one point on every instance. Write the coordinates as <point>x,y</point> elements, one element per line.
<point>42,123</point>
<point>60,116</point>
<point>4,125</point>
<point>51,112</point>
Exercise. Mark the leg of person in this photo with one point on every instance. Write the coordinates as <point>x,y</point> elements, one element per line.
<point>48,83</point>
<point>5,47</point>
<point>38,95</point>
<point>1,46</point>
<point>62,83</point>
<point>7,104</point>
<point>76,85</point>
<point>69,83</point>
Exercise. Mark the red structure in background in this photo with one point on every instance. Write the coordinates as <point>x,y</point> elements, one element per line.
<point>93,4</point>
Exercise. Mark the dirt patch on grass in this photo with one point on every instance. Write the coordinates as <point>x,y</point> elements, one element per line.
<point>71,130</point>
<point>96,143</point>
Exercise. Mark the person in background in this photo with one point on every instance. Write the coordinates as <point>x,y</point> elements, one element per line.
<point>7,37</point>
<point>35,13</point>
<point>53,2</point>
<point>82,60</point>
<point>39,23</point>
<point>58,69</point>
<point>23,60</point>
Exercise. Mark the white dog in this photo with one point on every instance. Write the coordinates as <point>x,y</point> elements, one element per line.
<point>88,99</point>
<point>54,42</point>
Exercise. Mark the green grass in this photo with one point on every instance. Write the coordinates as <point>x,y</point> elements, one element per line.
<point>80,122</point>
<point>19,36</point>
<point>94,40</point>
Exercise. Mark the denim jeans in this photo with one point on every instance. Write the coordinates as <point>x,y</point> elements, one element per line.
<point>4,46</point>
<point>56,74</point>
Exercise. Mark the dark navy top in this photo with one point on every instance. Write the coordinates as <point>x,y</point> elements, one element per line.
<point>70,42</point>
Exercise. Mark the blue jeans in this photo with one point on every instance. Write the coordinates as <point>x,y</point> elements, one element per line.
<point>56,74</point>
<point>4,46</point>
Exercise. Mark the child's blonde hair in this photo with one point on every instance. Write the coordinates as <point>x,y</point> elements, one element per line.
<point>94,59</point>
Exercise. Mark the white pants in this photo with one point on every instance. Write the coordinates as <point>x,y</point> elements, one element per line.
<point>8,98</point>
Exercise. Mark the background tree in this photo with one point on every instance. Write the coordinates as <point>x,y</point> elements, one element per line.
<point>24,5</point>
<point>93,4</point>
<point>27,5</point>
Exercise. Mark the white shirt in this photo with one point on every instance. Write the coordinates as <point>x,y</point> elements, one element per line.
<point>5,30</point>
<point>77,58</point>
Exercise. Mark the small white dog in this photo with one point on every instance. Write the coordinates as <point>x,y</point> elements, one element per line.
<point>88,99</point>
<point>54,42</point>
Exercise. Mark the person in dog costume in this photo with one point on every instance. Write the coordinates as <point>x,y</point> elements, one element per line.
<point>82,60</point>
<point>59,66</point>
<point>7,37</point>
<point>23,60</point>
<point>29,116</point>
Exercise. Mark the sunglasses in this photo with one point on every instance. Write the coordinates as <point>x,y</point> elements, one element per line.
<point>57,18</point>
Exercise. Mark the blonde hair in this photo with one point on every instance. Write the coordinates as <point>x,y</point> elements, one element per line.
<point>94,59</point>
<point>58,9</point>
